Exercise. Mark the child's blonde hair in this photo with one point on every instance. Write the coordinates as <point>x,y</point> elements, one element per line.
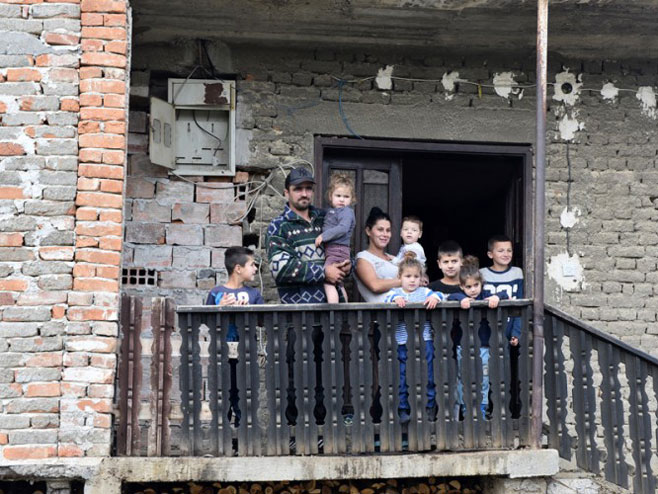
<point>470,269</point>
<point>414,219</point>
<point>409,261</point>
<point>341,180</point>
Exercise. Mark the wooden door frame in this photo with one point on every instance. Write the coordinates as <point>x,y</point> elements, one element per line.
<point>522,151</point>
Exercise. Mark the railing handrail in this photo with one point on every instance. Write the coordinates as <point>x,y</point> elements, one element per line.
<point>602,335</point>
<point>337,307</point>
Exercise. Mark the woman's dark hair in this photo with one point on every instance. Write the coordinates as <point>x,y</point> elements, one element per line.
<point>375,215</point>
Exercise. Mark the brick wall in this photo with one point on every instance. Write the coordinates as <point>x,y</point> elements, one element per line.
<point>286,97</point>
<point>62,139</point>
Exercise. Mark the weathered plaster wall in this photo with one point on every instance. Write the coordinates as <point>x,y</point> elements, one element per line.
<point>62,148</point>
<point>605,273</point>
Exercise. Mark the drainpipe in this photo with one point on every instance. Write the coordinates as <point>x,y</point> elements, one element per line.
<point>540,207</point>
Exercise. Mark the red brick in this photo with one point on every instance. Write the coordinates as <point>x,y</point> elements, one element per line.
<point>46,359</point>
<point>88,184</point>
<point>9,192</point>
<point>102,114</point>
<point>111,33</point>
<point>92,19</point>
<point>29,452</point>
<point>102,421</point>
<point>58,311</point>
<point>68,60</point>
<point>91,45</point>
<point>90,314</point>
<point>7,298</point>
<point>69,104</point>
<point>98,257</point>
<point>115,186</point>
<point>42,298</point>
<point>90,72</point>
<point>42,389</point>
<point>97,229</point>
<point>90,155</point>
<point>115,127</point>
<point>84,270</point>
<point>115,100</point>
<point>103,6</point>
<point>13,285</point>
<point>11,239</point>
<point>69,451</point>
<point>95,285</point>
<point>114,20</point>
<point>99,199</point>
<point>86,214</point>
<point>102,86</point>
<point>22,75</point>
<point>3,106</point>
<point>113,216</point>
<point>62,39</point>
<point>63,75</point>
<point>89,127</point>
<point>82,242</point>
<point>103,59</point>
<point>101,171</point>
<point>108,243</point>
<point>102,141</point>
<point>117,47</point>
<point>113,157</point>
<point>98,405</point>
<point>91,99</point>
<point>56,253</point>
<point>11,149</point>
<point>74,389</point>
<point>4,439</point>
<point>110,272</point>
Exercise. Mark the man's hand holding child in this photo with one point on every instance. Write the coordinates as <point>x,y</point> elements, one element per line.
<point>318,241</point>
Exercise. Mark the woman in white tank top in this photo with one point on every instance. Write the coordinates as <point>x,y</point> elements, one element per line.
<point>375,273</point>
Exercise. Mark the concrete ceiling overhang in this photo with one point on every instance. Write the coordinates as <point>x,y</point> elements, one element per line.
<point>601,29</point>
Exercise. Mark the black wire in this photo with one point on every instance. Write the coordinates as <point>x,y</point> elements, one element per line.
<point>204,44</point>
<point>209,133</point>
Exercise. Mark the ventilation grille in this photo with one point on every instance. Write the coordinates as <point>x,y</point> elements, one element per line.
<point>139,277</point>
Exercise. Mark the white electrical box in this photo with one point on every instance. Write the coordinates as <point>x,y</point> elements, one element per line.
<point>194,132</point>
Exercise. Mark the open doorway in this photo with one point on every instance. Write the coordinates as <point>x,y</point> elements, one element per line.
<point>463,197</point>
<point>462,192</point>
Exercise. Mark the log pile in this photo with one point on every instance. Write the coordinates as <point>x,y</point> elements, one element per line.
<point>429,485</point>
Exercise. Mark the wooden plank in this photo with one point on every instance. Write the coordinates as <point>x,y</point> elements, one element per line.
<point>271,388</point>
<point>224,370</point>
<point>387,373</point>
<point>525,378</point>
<point>444,388</point>
<point>136,384</point>
<point>241,378</point>
<point>468,376</point>
<point>124,364</point>
<point>370,380</point>
<point>578,398</point>
<point>214,389</point>
<point>356,380</point>
<point>185,323</point>
<point>342,378</point>
<point>157,350</point>
<point>496,381</point>
<point>329,435</point>
<point>167,381</point>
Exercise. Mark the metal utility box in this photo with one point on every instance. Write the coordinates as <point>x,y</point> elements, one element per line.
<point>194,132</point>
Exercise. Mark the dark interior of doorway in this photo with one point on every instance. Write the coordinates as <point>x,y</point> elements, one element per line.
<point>463,197</point>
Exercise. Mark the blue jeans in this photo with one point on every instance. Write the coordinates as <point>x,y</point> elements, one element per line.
<point>401,337</point>
<point>484,334</point>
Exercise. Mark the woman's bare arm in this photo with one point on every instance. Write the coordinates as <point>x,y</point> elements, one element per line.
<point>368,277</point>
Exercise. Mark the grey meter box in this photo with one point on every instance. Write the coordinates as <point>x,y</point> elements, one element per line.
<point>194,131</point>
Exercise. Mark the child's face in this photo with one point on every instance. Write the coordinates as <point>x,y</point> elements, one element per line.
<point>248,271</point>
<point>410,278</point>
<point>410,232</point>
<point>501,254</point>
<point>471,287</point>
<point>341,197</point>
<point>450,264</point>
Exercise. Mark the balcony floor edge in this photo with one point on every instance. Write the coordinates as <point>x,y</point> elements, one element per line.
<point>513,464</point>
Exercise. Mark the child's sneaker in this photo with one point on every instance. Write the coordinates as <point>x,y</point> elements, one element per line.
<point>405,415</point>
<point>486,413</point>
<point>348,419</point>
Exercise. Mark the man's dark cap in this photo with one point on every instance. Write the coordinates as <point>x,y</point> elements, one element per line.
<point>298,176</point>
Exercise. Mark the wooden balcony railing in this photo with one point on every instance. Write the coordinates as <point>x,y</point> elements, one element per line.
<point>320,379</point>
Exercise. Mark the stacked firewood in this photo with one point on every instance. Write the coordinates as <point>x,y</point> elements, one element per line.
<point>391,486</point>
